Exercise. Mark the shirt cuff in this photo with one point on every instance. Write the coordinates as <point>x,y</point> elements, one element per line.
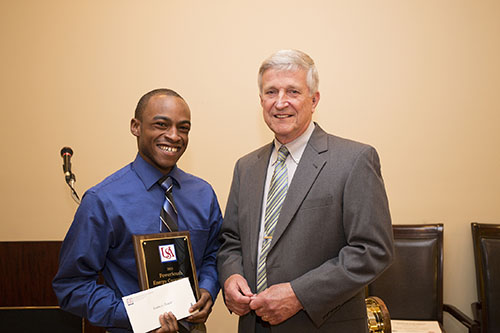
<point>211,286</point>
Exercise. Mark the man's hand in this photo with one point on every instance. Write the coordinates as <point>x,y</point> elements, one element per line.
<point>204,305</point>
<point>276,304</point>
<point>168,323</point>
<point>237,294</point>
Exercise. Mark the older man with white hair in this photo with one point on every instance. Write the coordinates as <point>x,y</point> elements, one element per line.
<point>307,223</point>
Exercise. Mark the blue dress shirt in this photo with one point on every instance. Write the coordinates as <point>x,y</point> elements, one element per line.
<point>100,239</point>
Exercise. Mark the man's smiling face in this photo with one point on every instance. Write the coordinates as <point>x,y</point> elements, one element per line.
<point>287,103</point>
<point>162,132</point>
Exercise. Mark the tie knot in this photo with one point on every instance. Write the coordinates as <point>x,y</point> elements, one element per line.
<point>167,184</point>
<point>282,153</point>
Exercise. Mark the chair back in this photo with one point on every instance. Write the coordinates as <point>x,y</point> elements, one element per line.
<point>486,242</point>
<point>412,287</point>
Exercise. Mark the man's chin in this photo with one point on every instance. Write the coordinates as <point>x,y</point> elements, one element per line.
<point>282,134</point>
<point>166,165</point>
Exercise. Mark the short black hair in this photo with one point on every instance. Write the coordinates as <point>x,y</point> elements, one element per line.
<point>141,105</point>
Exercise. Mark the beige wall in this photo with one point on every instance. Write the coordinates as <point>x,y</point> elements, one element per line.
<point>419,80</point>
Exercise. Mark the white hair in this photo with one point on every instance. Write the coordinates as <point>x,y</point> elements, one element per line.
<point>291,60</point>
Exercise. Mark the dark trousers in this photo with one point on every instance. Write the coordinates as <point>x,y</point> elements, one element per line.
<point>262,326</point>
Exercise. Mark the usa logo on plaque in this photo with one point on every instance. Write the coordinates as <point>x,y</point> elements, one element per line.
<point>167,253</point>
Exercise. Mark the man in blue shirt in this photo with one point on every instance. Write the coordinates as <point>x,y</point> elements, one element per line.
<point>129,203</point>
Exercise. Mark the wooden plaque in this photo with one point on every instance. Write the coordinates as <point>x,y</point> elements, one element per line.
<point>163,258</point>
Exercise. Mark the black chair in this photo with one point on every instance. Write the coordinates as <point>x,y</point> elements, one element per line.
<point>412,287</point>
<point>486,241</point>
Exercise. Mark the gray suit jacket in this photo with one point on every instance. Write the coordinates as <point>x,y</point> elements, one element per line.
<point>333,236</point>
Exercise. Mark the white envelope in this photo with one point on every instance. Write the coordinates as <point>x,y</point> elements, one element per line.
<point>145,307</point>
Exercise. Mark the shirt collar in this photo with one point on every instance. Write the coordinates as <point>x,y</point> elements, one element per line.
<point>149,175</point>
<point>296,147</point>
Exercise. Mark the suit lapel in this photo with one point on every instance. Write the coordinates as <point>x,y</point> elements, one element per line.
<point>256,183</point>
<point>310,165</point>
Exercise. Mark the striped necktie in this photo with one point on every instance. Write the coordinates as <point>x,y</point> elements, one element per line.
<point>168,223</point>
<point>275,198</point>
<point>168,215</point>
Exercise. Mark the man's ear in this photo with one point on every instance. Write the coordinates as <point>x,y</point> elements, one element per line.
<point>315,99</point>
<point>135,127</point>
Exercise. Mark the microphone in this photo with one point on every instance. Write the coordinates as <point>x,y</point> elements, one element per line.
<point>66,154</point>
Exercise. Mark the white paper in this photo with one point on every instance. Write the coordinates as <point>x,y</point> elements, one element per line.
<point>415,326</point>
<point>145,307</point>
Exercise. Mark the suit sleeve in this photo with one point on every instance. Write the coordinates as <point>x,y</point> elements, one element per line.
<point>368,248</point>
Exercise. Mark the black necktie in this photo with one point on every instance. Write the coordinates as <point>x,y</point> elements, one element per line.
<point>168,215</point>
